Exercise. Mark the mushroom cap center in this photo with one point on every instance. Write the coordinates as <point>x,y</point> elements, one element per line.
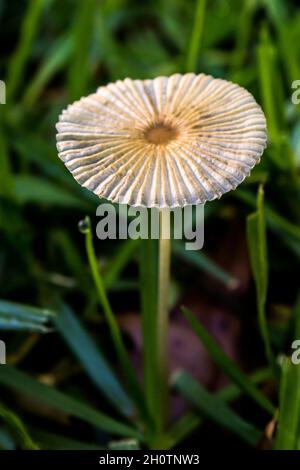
<point>161,133</point>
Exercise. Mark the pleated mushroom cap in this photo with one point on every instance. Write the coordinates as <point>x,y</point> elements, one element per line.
<point>167,142</point>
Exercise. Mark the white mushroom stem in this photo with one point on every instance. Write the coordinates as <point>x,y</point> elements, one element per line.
<point>163,312</point>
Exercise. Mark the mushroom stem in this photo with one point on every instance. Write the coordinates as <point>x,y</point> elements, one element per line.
<point>163,313</point>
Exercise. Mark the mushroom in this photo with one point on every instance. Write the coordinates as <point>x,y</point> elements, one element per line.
<point>168,142</point>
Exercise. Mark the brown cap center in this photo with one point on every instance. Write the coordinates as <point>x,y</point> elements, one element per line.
<point>161,134</point>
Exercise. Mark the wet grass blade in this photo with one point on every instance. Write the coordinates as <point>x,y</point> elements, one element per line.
<point>23,383</point>
<point>227,365</point>
<point>122,354</point>
<point>12,324</point>
<point>215,409</point>
<point>14,316</point>
<point>92,360</point>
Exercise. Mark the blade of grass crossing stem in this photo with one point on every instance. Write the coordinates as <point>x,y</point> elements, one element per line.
<point>79,63</point>
<point>17,428</point>
<point>29,30</point>
<point>257,244</point>
<point>148,284</point>
<point>129,372</point>
<point>226,364</point>
<point>197,32</point>
<point>23,383</point>
<point>119,261</point>
<point>190,421</point>
<point>288,430</point>
<point>215,409</point>
<point>92,360</point>
<point>202,262</point>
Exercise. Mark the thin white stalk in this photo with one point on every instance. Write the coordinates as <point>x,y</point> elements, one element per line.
<point>163,311</point>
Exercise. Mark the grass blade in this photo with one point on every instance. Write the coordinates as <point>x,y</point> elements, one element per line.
<point>6,176</point>
<point>119,261</point>
<point>202,262</point>
<point>288,430</point>
<point>215,409</point>
<point>17,428</point>
<point>92,360</point>
<point>14,316</point>
<point>29,30</point>
<point>10,324</point>
<point>197,32</point>
<point>23,383</point>
<point>6,440</point>
<point>183,427</point>
<point>227,365</point>
<point>148,289</point>
<point>190,421</point>
<point>243,33</point>
<point>257,244</point>
<point>32,189</point>
<point>82,36</point>
<point>53,62</point>
<point>266,68</point>
<point>288,232</point>
<point>115,332</point>
<point>50,441</point>
<point>278,14</point>
<point>25,312</point>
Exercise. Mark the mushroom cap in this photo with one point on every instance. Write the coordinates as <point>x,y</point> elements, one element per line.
<point>167,142</point>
